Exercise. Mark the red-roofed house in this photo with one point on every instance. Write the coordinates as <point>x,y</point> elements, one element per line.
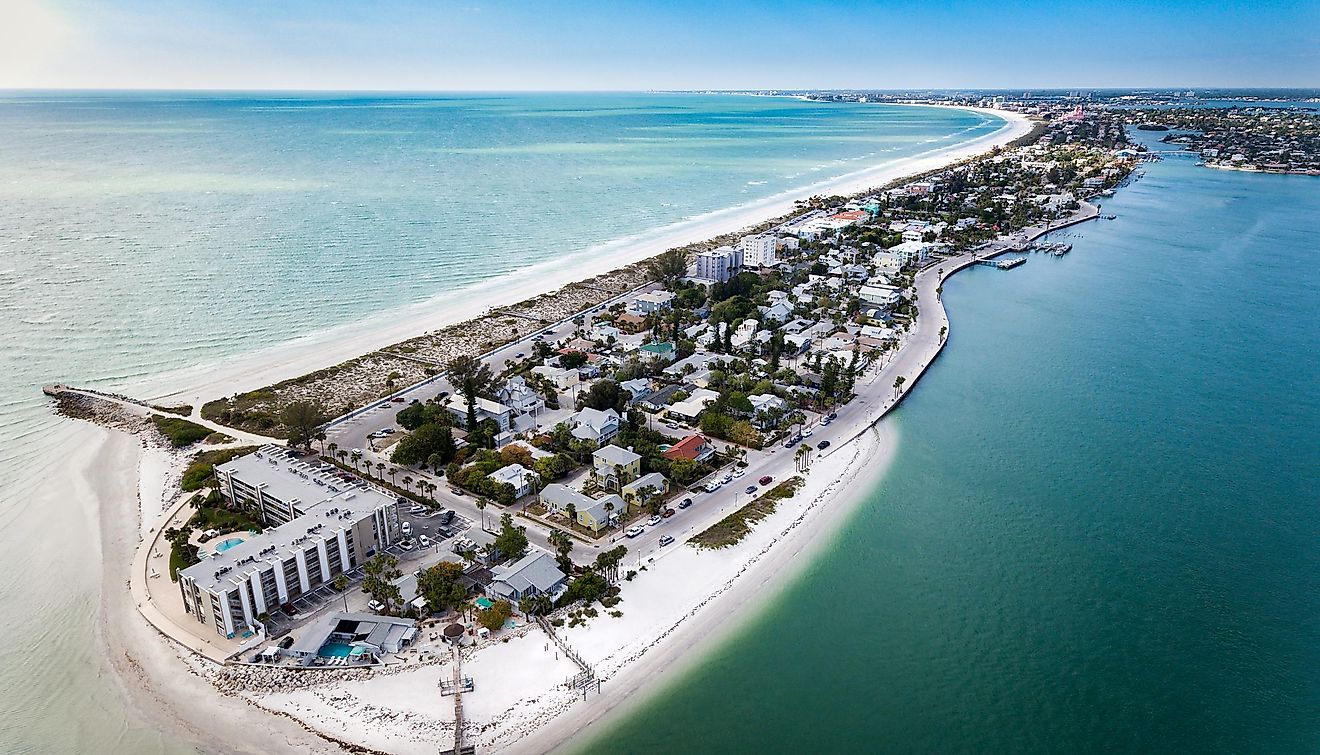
<point>692,448</point>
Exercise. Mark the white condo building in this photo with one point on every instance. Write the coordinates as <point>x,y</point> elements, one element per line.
<point>718,265</point>
<point>324,527</point>
<point>759,250</point>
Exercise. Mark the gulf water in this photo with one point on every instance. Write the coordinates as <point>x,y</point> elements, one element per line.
<point>143,233</point>
<point>1101,532</point>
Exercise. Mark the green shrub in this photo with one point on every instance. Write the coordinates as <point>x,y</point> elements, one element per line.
<point>179,432</point>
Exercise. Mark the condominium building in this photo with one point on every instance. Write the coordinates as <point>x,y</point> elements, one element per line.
<point>718,265</point>
<point>759,250</point>
<point>333,528</point>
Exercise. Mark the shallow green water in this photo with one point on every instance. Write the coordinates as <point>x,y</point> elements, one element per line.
<point>1102,529</point>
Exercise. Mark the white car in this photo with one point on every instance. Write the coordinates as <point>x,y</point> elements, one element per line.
<point>653,521</point>
<point>739,473</point>
<point>633,531</point>
<point>726,479</point>
<point>425,541</point>
<point>376,606</point>
<point>407,529</point>
<point>806,432</point>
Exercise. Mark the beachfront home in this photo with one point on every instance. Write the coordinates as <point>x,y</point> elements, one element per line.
<point>659,351</point>
<point>692,448</point>
<point>613,466</point>
<point>485,409</point>
<point>592,513</point>
<point>652,302</point>
<point>765,406</point>
<point>645,489</point>
<point>523,480</point>
<point>595,425</point>
<point>358,637</point>
<point>534,574</point>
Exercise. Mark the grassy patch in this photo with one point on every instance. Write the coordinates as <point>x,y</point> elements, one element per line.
<point>183,410</point>
<point>179,432</point>
<point>181,557</point>
<point>733,528</point>
<point>201,470</point>
<point>213,518</point>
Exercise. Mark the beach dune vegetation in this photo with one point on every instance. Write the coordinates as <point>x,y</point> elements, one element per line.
<point>179,432</point>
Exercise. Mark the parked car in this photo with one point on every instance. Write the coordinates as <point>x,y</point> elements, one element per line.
<point>407,529</point>
<point>685,503</point>
<point>446,517</point>
<point>825,421</point>
<point>425,541</point>
<point>824,444</point>
<point>376,606</point>
<point>806,432</point>
<point>666,540</point>
<point>455,491</point>
<point>654,520</point>
<point>750,489</point>
<point>633,531</point>
<point>832,416</point>
<point>766,480</point>
<point>397,399</point>
<point>668,512</point>
<point>407,544</point>
<point>739,473</point>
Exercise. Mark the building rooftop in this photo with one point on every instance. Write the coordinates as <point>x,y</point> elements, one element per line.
<point>615,455</point>
<point>337,508</point>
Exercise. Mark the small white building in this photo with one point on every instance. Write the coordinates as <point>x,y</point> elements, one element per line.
<point>523,480</point>
<point>652,301</point>
<point>595,425</point>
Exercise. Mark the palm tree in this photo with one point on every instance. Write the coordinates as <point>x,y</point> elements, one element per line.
<point>801,457</point>
<point>357,457</point>
<point>393,471</point>
<point>407,482</point>
<point>571,512</point>
<point>343,456</point>
<point>609,511</point>
<point>898,385</point>
<point>380,470</point>
<point>332,447</point>
<point>482,503</point>
<point>320,438</point>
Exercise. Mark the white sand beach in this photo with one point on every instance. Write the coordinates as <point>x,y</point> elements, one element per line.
<point>672,612</point>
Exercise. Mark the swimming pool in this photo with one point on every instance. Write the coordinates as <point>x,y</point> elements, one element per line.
<point>335,650</point>
<point>226,544</point>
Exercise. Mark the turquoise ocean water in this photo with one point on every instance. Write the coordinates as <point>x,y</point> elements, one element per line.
<point>1101,532</point>
<point>144,233</point>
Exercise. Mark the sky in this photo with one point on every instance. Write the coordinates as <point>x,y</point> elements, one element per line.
<point>411,45</point>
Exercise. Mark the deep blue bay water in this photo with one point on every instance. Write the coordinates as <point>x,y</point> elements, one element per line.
<point>1102,529</point>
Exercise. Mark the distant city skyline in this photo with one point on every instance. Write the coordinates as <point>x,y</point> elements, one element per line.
<point>573,45</point>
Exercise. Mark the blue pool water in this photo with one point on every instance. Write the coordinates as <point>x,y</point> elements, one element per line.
<point>227,544</point>
<point>335,650</point>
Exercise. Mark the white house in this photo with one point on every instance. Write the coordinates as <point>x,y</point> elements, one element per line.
<point>652,301</point>
<point>595,425</point>
<point>523,480</point>
<point>485,409</point>
<point>879,294</point>
<point>520,397</point>
<point>692,407</point>
<point>561,378</point>
<point>638,389</point>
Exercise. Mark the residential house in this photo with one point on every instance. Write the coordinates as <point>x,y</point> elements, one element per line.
<point>638,390</point>
<point>777,313</point>
<point>534,574</point>
<point>660,351</point>
<point>614,466</point>
<point>652,301</point>
<point>593,513</point>
<point>523,480</point>
<point>485,409</point>
<point>656,482</point>
<point>765,406</point>
<point>520,397</point>
<point>595,425</point>
<point>692,448</point>
<point>561,378</point>
<point>879,294</point>
<point>691,408</point>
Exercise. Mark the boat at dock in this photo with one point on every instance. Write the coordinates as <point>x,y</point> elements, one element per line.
<point>1009,264</point>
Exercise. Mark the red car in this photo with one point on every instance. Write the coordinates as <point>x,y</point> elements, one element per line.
<point>667,513</point>
<point>766,480</point>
